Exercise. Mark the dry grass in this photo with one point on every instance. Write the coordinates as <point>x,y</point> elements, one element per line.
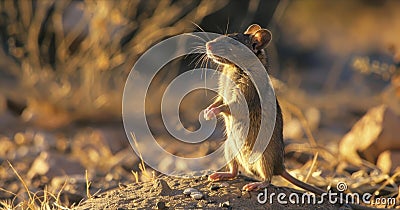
<point>142,166</point>
<point>43,199</point>
<point>78,53</point>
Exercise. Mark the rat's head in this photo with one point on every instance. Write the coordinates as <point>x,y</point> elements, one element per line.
<point>255,38</point>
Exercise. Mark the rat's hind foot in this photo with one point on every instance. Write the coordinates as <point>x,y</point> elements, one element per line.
<point>255,186</point>
<point>217,176</point>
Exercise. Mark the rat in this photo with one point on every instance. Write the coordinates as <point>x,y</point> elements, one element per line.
<point>272,160</point>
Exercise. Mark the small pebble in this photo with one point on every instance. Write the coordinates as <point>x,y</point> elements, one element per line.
<point>121,186</point>
<point>201,204</point>
<point>224,204</point>
<point>196,195</point>
<point>189,191</point>
<point>224,184</point>
<point>160,205</point>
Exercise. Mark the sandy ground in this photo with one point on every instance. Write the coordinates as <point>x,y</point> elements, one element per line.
<point>168,193</point>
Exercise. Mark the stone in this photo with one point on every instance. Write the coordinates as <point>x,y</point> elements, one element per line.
<point>161,187</point>
<point>189,191</point>
<point>225,204</point>
<point>373,134</point>
<point>224,184</point>
<point>196,195</point>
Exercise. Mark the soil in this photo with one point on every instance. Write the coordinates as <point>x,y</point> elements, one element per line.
<point>167,193</point>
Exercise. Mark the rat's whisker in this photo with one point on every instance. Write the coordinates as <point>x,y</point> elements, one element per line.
<point>227,26</point>
<point>197,26</point>
<point>198,37</point>
<point>196,59</point>
<point>200,49</point>
<point>195,50</point>
<point>208,38</point>
<point>218,67</point>
<point>203,61</point>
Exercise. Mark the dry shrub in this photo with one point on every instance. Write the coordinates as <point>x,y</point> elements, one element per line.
<point>78,53</point>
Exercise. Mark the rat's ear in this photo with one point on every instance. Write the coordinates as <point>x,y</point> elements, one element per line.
<point>252,29</point>
<point>261,39</point>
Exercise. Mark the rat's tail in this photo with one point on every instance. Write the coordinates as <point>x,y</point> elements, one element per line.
<point>319,191</point>
<point>301,184</point>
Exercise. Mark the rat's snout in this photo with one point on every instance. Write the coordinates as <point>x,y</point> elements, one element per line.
<point>213,49</point>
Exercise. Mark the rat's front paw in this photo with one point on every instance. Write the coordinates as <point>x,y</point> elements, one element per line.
<point>211,112</point>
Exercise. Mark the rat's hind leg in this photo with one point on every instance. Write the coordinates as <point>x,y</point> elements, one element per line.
<point>264,172</point>
<point>217,176</point>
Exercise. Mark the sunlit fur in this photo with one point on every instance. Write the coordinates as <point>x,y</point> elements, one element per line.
<point>271,162</point>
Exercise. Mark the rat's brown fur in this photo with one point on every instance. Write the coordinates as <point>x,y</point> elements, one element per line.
<point>272,161</point>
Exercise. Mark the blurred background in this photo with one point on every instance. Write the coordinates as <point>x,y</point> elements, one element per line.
<point>63,66</point>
